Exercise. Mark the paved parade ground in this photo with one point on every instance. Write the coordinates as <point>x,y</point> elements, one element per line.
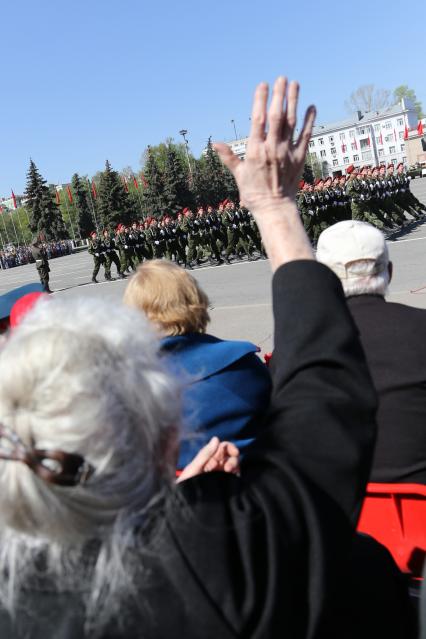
<point>239,294</point>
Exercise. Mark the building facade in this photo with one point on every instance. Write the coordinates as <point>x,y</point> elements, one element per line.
<point>375,137</point>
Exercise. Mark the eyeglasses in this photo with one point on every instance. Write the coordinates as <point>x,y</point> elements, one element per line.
<point>53,466</point>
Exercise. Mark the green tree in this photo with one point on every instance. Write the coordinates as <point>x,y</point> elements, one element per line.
<point>314,164</point>
<point>45,218</point>
<point>160,151</point>
<point>113,203</point>
<point>308,173</point>
<point>176,192</point>
<point>214,175</point>
<point>85,222</point>
<point>154,197</point>
<point>403,91</point>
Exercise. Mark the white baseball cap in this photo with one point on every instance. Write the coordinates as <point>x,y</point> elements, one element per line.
<point>350,241</point>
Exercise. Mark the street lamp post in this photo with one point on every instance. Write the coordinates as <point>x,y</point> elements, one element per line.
<point>235,129</point>
<point>183,133</point>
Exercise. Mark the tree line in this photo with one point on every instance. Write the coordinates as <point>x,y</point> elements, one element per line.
<point>170,180</point>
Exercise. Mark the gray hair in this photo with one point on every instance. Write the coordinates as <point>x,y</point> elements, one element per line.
<point>364,277</point>
<point>84,376</point>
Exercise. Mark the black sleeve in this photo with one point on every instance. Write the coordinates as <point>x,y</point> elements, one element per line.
<point>267,548</point>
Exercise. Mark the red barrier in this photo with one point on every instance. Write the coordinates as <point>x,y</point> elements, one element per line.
<point>395,515</point>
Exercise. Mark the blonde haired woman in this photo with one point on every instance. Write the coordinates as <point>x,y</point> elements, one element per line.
<point>227,387</point>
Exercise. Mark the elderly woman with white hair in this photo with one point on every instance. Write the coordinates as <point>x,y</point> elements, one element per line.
<point>97,540</point>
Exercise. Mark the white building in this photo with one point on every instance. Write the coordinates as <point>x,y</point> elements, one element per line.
<point>375,137</point>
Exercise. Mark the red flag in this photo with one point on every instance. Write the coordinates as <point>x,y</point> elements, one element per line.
<point>1,209</point>
<point>420,128</point>
<point>369,141</point>
<point>381,138</point>
<point>145,183</point>
<point>356,145</point>
<point>69,194</point>
<point>343,148</point>
<point>14,200</point>
<point>94,192</point>
<point>405,132</point>
<point>58,198</point>
<point>135,182</point>
<point>123,179</point>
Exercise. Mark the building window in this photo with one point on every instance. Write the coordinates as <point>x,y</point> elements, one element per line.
<point>389,138</point>
<point>323,153</point>
<point>360,131</point>
<point>356,158</point>
<point>345,160</point>
<point>331,139</point>
<point>364,144</point>
<point>400,122</point>
<point>404,159</point>
<point>335,162</point>
<point>311,144</point>
<point>353,146</point>
<point>321,141</point>
<point>393,160</point>
<point>381,153</point>
<point>377,128</point>
<point>342,136</point>
<point>401,135</point>
<point>366,156</point>
<point>333,151</point>
<point>352,134</point>
<point>391,149</point>
<point>388,125</point>
<point>378,140</point>
<point>402,147</point>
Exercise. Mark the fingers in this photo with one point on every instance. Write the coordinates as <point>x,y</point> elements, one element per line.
<point>196,466</point>
<point>291,111</point>
<point>228,158</point>
<point>258,114</point>
<point>306,133</point>
<point>276,113</point>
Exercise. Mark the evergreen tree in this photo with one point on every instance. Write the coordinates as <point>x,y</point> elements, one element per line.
<point>230,186</point>
<point>176,190</point>
<point>214,177</point>
<point>308,174</point>
<point>85,221</point>
<point>113,204</point>
<point>45,218</point>
<point>154,196</point>
<point>199,186</point>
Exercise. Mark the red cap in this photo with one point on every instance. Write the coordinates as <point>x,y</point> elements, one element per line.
<point>350,169</point>
<point>22,306</point>
<point>301,184</point>
<point>317,181</point>
<point>399,164</point>
<point>93,233</point>
<point>390,164</point>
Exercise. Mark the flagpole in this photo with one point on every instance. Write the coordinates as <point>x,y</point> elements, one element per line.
<point>138,194</point>
<point>14,228</point>
<point>92,205</point>
<point>4,224</point>
<point>69,215</point>
<point>21,227</point>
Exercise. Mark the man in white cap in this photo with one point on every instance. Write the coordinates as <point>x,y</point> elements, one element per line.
<point>393,339</point>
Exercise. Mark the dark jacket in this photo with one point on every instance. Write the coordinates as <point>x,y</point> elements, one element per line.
<point>227,392</point>
<point>268,554</point>
<point>395,347</point>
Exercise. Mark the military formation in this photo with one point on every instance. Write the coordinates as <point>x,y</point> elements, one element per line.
<point>379,195</point>
<point>216,236</point>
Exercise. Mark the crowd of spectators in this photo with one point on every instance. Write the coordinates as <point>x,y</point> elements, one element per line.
<point>12,256</point>
<point>99,400</point>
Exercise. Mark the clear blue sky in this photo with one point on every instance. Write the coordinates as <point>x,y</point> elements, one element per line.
<point>88,80</point>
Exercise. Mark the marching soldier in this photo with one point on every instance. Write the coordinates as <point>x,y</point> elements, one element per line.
<point>111,256</point>
<point>122,242</point>
<point>42,263</point>
<point>97,250</point>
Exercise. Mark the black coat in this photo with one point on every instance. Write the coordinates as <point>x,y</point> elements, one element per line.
<point>394,340</point>
<point>272,553</point>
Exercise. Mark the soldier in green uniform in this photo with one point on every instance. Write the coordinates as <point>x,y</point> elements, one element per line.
<point>123,243</point>
<point>231,222</point>
<point>190,229</point>
<point>42,263</point>
<point>111,256</point>
<point>405,197</point>
<point>97,250</point>
<point>213,225</point>
<point>370,213</point>
<point>305,206</point>
<point>395,213</point>
<point>156,240</point>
